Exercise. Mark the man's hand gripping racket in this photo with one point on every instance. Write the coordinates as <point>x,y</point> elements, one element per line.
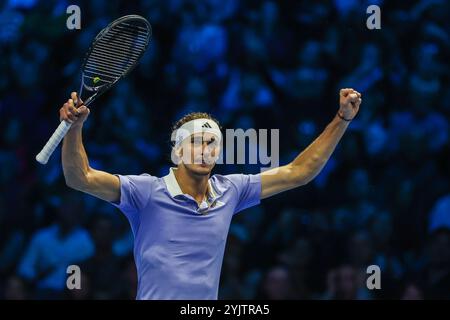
<point>114,52</point>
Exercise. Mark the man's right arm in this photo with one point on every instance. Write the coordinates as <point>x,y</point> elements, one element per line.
<point>77,172</point>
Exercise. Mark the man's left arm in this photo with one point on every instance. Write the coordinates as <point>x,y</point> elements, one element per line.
<point>308,164</point>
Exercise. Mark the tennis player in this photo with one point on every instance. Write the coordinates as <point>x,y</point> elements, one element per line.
<point>180,221</point>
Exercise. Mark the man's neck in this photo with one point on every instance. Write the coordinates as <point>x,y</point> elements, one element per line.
<point>193,185</point>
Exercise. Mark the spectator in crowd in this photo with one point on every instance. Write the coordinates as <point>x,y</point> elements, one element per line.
<point>52,249</point>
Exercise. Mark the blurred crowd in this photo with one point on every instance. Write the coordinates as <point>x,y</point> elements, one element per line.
<point>382,199</point>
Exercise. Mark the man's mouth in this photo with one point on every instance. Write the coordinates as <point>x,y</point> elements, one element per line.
<point>202,162</point>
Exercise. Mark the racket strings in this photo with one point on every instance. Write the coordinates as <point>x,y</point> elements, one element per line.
<point>116,52</point>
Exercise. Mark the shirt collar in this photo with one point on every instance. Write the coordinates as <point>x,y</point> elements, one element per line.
<point>174,188</point>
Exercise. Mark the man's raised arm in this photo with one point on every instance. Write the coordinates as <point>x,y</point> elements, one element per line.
<point>308,164</point>
<point>77,172</point>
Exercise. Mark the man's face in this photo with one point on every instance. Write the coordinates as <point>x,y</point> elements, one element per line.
<point>200,152</point>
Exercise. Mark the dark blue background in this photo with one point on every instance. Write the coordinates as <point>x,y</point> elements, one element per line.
<point>383,198</point>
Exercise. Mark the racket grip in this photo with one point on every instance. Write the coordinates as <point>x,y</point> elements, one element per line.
<point>53,142</point>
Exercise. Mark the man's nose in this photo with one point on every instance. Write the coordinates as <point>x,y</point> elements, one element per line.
<point>205,145</point>
<point>206,148</point>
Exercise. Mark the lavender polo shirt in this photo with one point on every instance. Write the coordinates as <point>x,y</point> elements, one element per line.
<point>179,245</point>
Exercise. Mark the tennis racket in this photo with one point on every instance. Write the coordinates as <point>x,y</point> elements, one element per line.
<point>114,52</point>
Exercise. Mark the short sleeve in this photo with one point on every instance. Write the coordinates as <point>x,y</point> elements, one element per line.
<point>248,188</point>
<point>135,193</point>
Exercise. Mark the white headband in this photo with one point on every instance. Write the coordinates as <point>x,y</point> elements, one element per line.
<point>196,126</point>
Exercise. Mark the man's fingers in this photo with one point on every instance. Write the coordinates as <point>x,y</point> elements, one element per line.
<point>346,91</point>
<point>71,107</point>
<point>63,114</point>
<point>82,111</point>
<point>76,100</point>
<point>72,112</point>
<point>72,117</point>
<point>357,93</point>
<point>352,97</point>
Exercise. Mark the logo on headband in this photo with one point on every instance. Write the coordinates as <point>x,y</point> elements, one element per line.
<point>206,125</point>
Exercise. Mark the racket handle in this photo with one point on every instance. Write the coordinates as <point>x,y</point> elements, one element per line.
<point>53,142</point>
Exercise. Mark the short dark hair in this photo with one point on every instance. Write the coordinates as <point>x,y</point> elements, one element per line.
<point>192,116</point>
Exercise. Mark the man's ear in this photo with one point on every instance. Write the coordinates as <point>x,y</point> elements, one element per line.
<point>176,155</point>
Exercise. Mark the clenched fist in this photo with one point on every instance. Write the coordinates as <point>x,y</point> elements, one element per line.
<point>70,113</point>
<point>349,102</point>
